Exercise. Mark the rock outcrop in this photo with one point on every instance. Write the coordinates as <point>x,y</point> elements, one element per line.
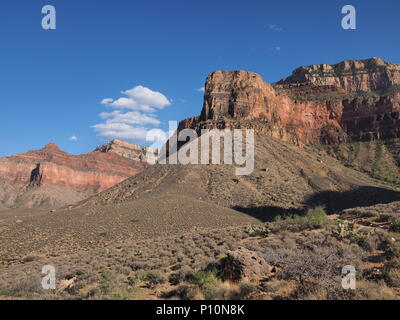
<point>307,107</point>
<point>244,264</point>
<point>130,151</point>
<point>352,75</point>
<point>36,176</point>
<point>75,176</point>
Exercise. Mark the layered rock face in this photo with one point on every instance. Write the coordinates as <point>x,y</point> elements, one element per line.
<point>304,108</point>
<point>352,75</point>
<point>50,168</point>
<point>130,151</point>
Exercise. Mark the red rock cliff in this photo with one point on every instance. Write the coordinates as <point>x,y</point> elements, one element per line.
<point>86,174</point>
<point>317,110</point>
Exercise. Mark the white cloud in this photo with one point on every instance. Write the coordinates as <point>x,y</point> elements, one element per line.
<point>132,117</point>
<point>120,131</point>
<point>274,27</point>
<point>135,114</point>
<point>73,138</point>
<point>139,98</point>
<point>106,101</point>
<point>276,48</point>
<point>202,89</point>
<point>145,96</point>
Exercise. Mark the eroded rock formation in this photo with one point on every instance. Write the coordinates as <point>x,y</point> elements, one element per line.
<point>36,176</point>
<point>130,151</point>
<point>81,175</point>
<point>352,75</point>
<point>350,101</point>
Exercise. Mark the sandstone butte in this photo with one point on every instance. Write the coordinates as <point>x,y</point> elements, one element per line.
<point>86,174</point>
<point>320,104</point>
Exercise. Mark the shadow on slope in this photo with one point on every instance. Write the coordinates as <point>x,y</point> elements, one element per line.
<point>360,197</point>
<point>333,201</point>
<point>268,213</point>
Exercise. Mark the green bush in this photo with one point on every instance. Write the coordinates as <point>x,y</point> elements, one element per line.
<point>208,282</point>
<point>317,217</point>
<point>314,218</point>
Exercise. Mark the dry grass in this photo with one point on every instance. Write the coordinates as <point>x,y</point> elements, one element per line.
<point>308,253</point>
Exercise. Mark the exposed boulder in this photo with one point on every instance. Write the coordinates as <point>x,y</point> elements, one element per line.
<point>244,264</point>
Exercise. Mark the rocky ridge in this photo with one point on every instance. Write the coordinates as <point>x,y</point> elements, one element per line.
<point>130,151</point>
<point>368,75</point>
<point>306,108</point>
<point>52,173</point>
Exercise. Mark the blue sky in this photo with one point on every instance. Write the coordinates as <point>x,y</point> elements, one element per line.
<point>52,81</point>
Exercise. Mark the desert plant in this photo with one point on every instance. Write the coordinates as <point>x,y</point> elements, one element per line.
<point>207,281</point>
<point>154,278</point>
<point>391,272</point>
<point>257,231</point>
<point>395,226</point>
<point>314,218</point>
<point>344,228</point>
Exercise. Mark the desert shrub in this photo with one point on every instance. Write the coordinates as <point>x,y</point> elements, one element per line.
<point>185,292</point>
<point>317,216</point>
<point>391,248</point>
<point>232,291</point>
<point>26,287</point>
<point>317,271</point>
<point>154,278</point>
<point>391,272</point>
<point>383,218</point>
<point>366,239</point>
<point>182,275</point>
<point>344,228</point>
<point>4,291</point>
<point>395,226</point>
<point>313,219</point>
<point>118,296</point>
<point>204,276</point>
<point>371,290</point>
<point>257,231</point>
<point>105,282</point>
<point>245,289</point>
<point>208,282</point>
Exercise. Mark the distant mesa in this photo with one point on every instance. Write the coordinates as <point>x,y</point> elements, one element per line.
<point>55,178</point>
<point>130,151</point>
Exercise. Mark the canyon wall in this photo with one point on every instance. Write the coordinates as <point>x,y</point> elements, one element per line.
<point>306,108</point>
<point>77,176</point>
